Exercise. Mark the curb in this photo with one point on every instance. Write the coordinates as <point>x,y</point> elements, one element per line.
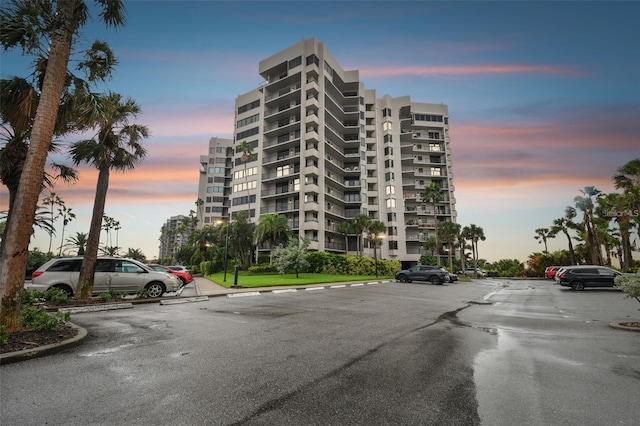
<point>622,326</point>
<point>26,354</point>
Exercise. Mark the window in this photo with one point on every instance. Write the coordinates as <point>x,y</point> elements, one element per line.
<point>386,112</point>
<point>434,135</point>
<point>392,230</point>
<point>387,125</point>
<point>248,133</point>
<point>435,171</point>
<point>209,180</point>
<point>393,245</point>
<point>328,69</point>
<point>221,150</point>
<point>284,170</point>
<point>220,160</point>
<point>391,217</point>
<point>390,189</point>
<point>295,62</point>
<point>434,147</point>
<point>312,59</point>
<point>388,163</point>
<point>249,106</point>
<point>247,120</point>
<point>391,203</point>
<point>296,184</point>
<point>389,177</point>
<point>311,198</point>
<point>239,187</point>
<point>388,138</point>
<point>65,266</point>
<point>239,174</point>
<point>218,179</point>
<point>244,200</point>
<point>427,117</point>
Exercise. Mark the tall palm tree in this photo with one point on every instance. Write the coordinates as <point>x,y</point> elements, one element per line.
<point>67,216</point>
<point>564,224</point>
<point>116,146</point>
<point>271,228</point>
<point>52,31</point>
<point>375,232</point>
<point>449,233</point>
<point>542,235</point>
<point>627,178</point>
<point>474,234</point>
<point>246,150</point>
<point>585,203</point>
<point>433,194</point>
<point>346,228</point>
<point>360,223</point>
<point>200,207</point>
<point>462,243</point>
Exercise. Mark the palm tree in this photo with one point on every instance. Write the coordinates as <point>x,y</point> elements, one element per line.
<point>542,235</point>
<point>246,150</point>
<point>79,242</point>
<point>271,228</point>
<point>67,216</point>
<point>462,243</point>
<point>430,244</point>
<point>586,205</point>
<point>433,194</point>
<point>628,180</point>
<point>360,223</point>
<point>200,206</point>
<point>117,146</point>
<point>135,254</point>
<point>21,21</point>
<point>375,233</point>
<point>449,232</point>
<point>564,224</point>
<point>474,234</point>
<point>346,228</point>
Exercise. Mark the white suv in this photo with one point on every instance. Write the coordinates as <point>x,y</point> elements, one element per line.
<point>111,273</point>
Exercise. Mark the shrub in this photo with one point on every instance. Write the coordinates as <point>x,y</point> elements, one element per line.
<point>630,284</point>
<point>110,295</point>
<point>37,319</point>
<point>262,269</point>
<point>143,293</point>
<point>56,295</point>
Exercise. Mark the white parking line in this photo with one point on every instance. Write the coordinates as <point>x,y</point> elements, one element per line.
<point>245,294</point>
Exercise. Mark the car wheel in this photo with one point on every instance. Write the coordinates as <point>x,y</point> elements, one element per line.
<point>64,288</point>
<point>577,285</point>
<point>435,280</point>
<point>155,289</point>
<point>403,279</point>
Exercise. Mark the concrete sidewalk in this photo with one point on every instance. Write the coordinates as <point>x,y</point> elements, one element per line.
<point>204,287</point>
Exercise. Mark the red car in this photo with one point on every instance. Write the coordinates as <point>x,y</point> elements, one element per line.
<point>550,271</point>
<point>185,276</point>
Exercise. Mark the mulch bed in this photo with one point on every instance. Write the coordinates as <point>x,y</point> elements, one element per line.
<point>28,339</point>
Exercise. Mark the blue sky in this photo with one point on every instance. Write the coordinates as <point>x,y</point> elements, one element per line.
<point>544,98</point>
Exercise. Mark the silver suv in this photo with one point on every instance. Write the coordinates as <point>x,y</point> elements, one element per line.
<point>111,273</point>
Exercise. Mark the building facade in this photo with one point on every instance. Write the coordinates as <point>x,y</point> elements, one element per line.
<point>325,149</point>
<point>174,234</point>
<point>214,185</point>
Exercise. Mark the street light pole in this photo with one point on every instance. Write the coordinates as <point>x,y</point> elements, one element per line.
<point>226,251</point>
<point>375,253</point>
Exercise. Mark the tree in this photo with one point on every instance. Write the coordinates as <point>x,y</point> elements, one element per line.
<point>542,235</point>
<point>67,216</point>
<point>246,150</point>
<point>59,23</point>
<point>136,254</point>
<point>627,179</point>
<point>200,207</point>
<point>360,223</point>
<point>241,239</point>
<point>271,228</point>
<point>474,234</point>
<point>449,233</point>
<point>586,205</point>
<point>346,228</point>
<point>433,194</point>
<point>293,256</point>
<point>564,224</point>
<point>52,200</point>
<point>78,242</point>
<point>117,145</point>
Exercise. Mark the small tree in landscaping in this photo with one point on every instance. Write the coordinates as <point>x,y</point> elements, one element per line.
<point>293,256</point>
<point>630,284</point>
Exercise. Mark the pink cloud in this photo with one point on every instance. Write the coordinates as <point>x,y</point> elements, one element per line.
<point>425,71</point>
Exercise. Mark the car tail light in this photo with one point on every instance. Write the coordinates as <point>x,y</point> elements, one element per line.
<point>36,274</point>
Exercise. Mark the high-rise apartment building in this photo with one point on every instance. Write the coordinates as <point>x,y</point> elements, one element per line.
<point>214,185</point>
<point>326,149</point>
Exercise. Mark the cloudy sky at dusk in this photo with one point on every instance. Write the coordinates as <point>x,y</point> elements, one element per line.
<point>544,98</point>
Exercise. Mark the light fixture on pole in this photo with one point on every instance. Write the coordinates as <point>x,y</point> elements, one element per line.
<point>226,250</point>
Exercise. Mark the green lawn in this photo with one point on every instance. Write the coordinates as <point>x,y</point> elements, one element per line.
<point>269,280</point>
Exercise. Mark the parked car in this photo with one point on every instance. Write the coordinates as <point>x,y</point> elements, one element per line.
<point>453,277</point>
<point>433,274</point>
<point>179,268</point>
<point>111,273</point>
<point>579,277</point>
<point>550,271</point>
<point>470,272</point>
<point>185,276</point>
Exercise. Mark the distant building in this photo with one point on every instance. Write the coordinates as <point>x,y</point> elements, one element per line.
<point>174,234</point>
<point>326,149</point>
<point>214,185</point>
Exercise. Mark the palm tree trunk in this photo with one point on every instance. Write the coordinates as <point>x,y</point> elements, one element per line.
<point>87,270</point>
<point>15,252</point>
<point>435,221</point>
<point>572,255</point>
